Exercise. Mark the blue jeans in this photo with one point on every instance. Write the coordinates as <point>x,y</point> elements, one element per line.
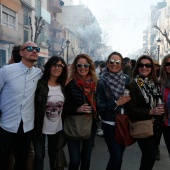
<point>20,142</point>
<point>80,151</point>
<point>115,150</point>
<point>39,148</point>
<point>166,134</point>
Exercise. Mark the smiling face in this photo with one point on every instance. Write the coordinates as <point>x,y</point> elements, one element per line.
<point>114,64</point>
<point>82,67</point>
<point>144,67</point>
<point>56,70</point>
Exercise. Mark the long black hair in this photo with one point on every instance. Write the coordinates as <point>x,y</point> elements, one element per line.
<point>52,62</point>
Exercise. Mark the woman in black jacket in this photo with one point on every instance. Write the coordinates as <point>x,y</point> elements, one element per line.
<point>80,99</point>
<point>145,93</point>
<point>49,100</point>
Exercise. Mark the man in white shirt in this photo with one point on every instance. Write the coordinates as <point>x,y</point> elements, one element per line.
<point>17,86</point>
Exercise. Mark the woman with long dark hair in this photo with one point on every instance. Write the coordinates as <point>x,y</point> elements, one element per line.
<point>49,100</point>
<point>145,94</point>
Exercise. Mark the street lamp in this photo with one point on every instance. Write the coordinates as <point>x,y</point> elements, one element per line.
<point>67,43</point>
<point>158,47</point>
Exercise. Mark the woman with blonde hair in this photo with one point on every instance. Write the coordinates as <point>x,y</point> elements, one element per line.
<point>80,100</point>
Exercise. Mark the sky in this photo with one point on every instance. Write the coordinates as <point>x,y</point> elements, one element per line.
<point>122,22</point>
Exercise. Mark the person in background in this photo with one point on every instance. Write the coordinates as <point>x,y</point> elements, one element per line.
<point>158,120</point>
<point>15,57</point>
<point>145,94</point>
<point>17,87</point>
<point>157,67</point>
<point>49,100</point>
<point>110,100</point>
<point>127,66</point>
<point>165,89</point>
<point>133,63</point>
<point>80,99</point>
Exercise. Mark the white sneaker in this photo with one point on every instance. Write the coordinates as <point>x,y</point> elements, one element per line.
<point>100,133</point>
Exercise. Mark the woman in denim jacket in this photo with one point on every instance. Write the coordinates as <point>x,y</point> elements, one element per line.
<point>110,100</point>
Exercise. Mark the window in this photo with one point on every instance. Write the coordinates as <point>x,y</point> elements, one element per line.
<point>8,17</point>
<point>26,17</point>
<point>25,35</point>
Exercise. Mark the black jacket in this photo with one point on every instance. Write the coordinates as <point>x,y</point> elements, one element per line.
<point>40,101</point>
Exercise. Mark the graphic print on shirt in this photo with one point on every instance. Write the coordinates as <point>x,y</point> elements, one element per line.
<point>53,110</point>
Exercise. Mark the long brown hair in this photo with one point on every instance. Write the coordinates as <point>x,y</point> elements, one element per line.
<point>152,74</point>
<point>92,72</point>
<point>163,74</point>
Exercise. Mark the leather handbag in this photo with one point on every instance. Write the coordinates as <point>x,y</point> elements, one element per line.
<point>141,129</point>
<point>122,132</point>
<point>78,126</point>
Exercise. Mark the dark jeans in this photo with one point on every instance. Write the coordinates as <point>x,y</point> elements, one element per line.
<point>166,135</point>
<point>80,151</point>
<point>158,128</point>
<point>39,148</point>
<point>20,141</point>
<point>115,150</point>
<point>147,147</point>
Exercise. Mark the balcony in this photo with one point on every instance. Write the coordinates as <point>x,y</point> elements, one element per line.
<point>55,6</point>
<point>55,26</point>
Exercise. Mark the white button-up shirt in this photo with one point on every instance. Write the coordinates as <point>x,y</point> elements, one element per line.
<point>17,87</point>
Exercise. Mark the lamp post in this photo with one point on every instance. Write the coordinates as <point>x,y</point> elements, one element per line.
<point>158,47</point>
<point>67,43</point>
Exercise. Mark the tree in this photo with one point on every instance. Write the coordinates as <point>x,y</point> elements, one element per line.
<point>39,23</point>
<point>163,33</point>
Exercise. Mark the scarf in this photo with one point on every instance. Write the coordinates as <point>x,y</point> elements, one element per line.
<point>89,88</point>
<point>150,91</point>
<point>115,81</point>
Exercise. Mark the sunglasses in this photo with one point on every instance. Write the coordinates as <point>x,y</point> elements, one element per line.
<point>31,49</point>
<point>82,65</point>
<point>148,65</point>
<point>57,66</point>
<point>167,64</point>
<point>111,61</point>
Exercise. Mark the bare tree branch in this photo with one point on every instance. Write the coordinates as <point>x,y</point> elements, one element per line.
<point>164,34</point>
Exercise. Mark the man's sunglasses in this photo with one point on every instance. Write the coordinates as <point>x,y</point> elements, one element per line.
<point>82,65</point>
<point>167,64</point>
<point>118,62</point>
<point>57,66</point>
<point>141,65</point>
<point>31,49</point>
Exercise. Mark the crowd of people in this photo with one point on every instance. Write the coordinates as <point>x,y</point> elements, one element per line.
<point>34,104</point>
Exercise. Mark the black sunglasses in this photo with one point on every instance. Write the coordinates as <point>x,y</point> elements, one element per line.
<point>167,64</point>
<point>31,49</point>
<point>148,65</point>
<point>111,61</point>
<point>82,65</point>
<point>57,66</point>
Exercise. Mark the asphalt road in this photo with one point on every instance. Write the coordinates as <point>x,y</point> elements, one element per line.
<point>131,160</point>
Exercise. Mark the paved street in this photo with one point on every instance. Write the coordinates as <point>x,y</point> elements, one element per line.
<point>131,160</point>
